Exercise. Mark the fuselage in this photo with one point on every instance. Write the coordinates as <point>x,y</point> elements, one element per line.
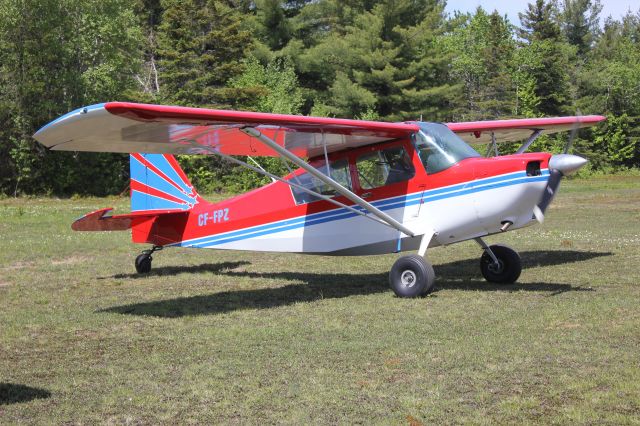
<point>460,200</point>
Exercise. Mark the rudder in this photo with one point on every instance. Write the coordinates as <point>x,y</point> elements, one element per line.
<point>158,184</point>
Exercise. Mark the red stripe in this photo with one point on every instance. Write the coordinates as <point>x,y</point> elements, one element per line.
<point>141,187</point>
<point>526,123</point>
<point>176,166</point>
<point>159,172</point>
<point>300,123</point>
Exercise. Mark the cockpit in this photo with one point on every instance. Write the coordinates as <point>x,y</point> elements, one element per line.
<point>439,148</point>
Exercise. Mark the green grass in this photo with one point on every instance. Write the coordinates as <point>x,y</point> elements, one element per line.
<point>232,337</point>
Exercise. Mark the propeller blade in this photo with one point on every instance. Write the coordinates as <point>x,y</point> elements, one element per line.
<point>572,135</point>
<point>559,165</point>
<point>555,176</point>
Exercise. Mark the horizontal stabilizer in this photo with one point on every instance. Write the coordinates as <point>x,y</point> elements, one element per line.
<point>99,221</point>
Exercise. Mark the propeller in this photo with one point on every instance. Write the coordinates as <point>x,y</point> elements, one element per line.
<point>560,165</point>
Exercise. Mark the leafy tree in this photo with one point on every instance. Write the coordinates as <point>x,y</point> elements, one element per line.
<point>56,56</point>
<point>482,51</point>
<point>149,13</point>
<point>274,88</point>
<point>610,83</point>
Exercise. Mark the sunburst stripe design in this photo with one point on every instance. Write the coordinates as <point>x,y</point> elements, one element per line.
<point>158,183</point>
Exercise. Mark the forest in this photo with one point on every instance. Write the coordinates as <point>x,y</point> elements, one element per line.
<point>390,60</point>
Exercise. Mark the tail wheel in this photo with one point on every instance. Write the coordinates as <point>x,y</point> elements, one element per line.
<point>143,263</point>
<point>508,268</point>
<point>411,276</point>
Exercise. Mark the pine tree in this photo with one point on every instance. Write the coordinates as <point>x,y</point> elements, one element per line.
<point>580,23</point>
<point>539,22</point>
<point>386,63</point>
<point>274,26</point>
<point>201,44</point>
<point>543,61</point>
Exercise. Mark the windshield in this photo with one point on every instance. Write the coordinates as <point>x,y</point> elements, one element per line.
<point>439,148</point>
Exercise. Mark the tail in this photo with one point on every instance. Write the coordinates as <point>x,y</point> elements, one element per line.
<point>159,191</point>
<point>158,185</point>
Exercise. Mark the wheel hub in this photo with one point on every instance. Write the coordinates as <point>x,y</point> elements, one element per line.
<point>496,268</point>
<point>408,278</point>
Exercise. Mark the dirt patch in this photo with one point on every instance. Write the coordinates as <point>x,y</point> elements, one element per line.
<point>71,260</point>
<point>19,265</point>
<point>4,284</point>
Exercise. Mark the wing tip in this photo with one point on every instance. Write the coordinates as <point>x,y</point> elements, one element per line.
<point>38,135</point>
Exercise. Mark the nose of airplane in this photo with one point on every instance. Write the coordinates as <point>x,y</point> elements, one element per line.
<point>559,165</point>
<point>566,163</point>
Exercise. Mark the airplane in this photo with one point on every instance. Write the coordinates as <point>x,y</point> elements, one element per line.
<point>353,188</point>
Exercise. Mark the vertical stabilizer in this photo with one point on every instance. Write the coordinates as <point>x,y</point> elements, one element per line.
<point>158,184</point>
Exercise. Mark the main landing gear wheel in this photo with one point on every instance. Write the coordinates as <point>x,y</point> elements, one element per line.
<point>411,276</point>
<point>143,261</point>
<point>508,268</point>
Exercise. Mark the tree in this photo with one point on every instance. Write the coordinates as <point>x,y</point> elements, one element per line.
<point>542,63</point>
<point>482,50</point>
<point>274,88</point>
<point>580,23</point>
<point>274,28</point>
<point>610,84</point>
<point>201,44</point>
<point>56,56</point>
<point>539,22</point>
<point>387,62</point>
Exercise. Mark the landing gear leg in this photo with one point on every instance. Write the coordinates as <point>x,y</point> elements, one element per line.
<point>499,264</point>
<point>412,275</point>
<point>143,261</point>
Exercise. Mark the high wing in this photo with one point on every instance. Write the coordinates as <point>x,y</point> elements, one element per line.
<point>519,129</point>
<point>129,127</point>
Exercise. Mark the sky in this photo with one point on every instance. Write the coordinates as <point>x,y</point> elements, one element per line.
<point>615,8</point>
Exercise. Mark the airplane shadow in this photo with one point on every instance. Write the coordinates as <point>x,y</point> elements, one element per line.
<point>175,270</point>
<point>11,393</point>
<point>459,275</point>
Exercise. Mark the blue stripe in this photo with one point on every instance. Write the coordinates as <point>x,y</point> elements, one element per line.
<point>157,182</point>
<point>466,185</point>
<point>161,162</point>
<point>69,114</point>
<point>393,203</point>
<point>141,201</point>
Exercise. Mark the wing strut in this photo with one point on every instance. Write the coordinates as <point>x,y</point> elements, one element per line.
<point>253,132</point>
<point>529,141</point>
<point>273,177</point>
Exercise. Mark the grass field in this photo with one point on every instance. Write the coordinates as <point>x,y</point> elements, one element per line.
<point>230,337</point>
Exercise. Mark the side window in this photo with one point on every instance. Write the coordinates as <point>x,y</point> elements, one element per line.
<point>339,171</point>
<point>380,168</point>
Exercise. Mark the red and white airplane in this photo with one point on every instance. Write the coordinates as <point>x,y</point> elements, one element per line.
<point>358,188</point>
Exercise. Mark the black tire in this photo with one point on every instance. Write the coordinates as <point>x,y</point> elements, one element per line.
<point>509,269</point>
<point>412,276</point>
<point>143,263</point>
